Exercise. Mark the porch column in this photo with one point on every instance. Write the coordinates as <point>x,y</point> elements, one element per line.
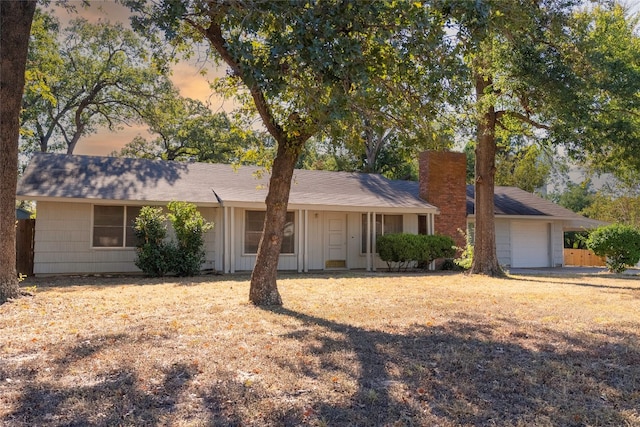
<point>431,230</point>
<point>225,239</point>
<point>368,240</point>
<point>300,235</point>
<point>373,241</point>
<point>305,256</point>
<point>232,241</point>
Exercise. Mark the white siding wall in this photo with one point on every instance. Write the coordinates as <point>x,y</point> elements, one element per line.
<point>503,241</point>
<point>63,242</point>
<point>557,243</point>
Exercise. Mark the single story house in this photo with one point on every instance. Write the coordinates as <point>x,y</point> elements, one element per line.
<point>86,205</point>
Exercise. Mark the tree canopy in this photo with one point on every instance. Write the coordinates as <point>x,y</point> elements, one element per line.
<point>83,78</point>
<point>541,71</point>
<point>186,129</point>
<point>600,119</point>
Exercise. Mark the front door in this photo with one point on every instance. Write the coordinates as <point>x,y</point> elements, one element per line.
<point>336,244</point>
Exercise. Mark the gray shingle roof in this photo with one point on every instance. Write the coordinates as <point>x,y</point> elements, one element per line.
<point>108,178</point>
<point>514,201</point>
<point>121,179</point>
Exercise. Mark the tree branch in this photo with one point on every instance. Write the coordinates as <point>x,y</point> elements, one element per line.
<point>214,34</point>
<point>525,119</point>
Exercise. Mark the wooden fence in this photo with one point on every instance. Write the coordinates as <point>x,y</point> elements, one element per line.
<point>582,257</point>
<point>24,246</point>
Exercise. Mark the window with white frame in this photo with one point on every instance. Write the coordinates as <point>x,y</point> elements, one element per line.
<point>384,224</point>
<point>253,227</point>
<point>113,226</point>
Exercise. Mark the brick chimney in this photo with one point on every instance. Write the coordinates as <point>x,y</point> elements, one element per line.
<point>443,184</point>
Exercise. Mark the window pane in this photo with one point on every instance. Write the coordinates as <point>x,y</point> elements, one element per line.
<point>251,242</point>
<point>108,228</point>
<point>392,224</point>
<point>289,237</point>
<point>422,224</point>
<point>108,215</point>
<point>132,214</point>
<point>254,223</point>
<point>107,237</point>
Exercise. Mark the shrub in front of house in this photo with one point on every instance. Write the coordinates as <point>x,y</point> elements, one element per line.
<point>153,252</point>
<point>400,251</point>
<point>189,226</point>
<point>619,243</point>
<point>397,250</point>
<point>157,256</point>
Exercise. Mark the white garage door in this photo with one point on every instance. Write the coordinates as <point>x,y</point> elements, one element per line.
<point>530,244</point>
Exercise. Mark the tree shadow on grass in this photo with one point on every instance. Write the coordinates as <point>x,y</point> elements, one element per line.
<point>67,283</point>
<point>114,397</point>
<point>458,374</point>
<point>541,279</point>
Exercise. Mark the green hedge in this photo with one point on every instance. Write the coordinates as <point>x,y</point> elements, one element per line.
<point>403,250</point>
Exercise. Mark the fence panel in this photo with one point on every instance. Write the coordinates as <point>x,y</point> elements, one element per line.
<point>25,231</point>
<point>582,258</point>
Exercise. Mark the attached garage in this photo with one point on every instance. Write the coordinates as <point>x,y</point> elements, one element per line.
<point>530,244</point>
<point>529,229</point>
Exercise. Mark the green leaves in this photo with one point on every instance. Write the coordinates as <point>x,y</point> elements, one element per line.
<point>317,62</point>
<point>83,78</point>
<point>152,251</point>
<point>404,249</point>
<point>155,255</point>
<point>190,227</point>
<point>601,123</point>
<point>619,243</point>
<point>187,130</point>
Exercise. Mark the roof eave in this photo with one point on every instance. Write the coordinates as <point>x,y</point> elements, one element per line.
<point>95,200</point>
<point>338,208</point>
<point>530,217</point>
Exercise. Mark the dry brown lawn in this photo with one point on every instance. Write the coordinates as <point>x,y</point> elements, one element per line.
<point>345,350</point>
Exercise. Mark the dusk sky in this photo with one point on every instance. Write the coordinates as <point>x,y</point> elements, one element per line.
<point>186,76</point>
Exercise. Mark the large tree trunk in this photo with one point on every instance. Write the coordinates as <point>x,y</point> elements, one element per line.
<point>264,289</point>
<point>485,259</point>
<point>15,28</point>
